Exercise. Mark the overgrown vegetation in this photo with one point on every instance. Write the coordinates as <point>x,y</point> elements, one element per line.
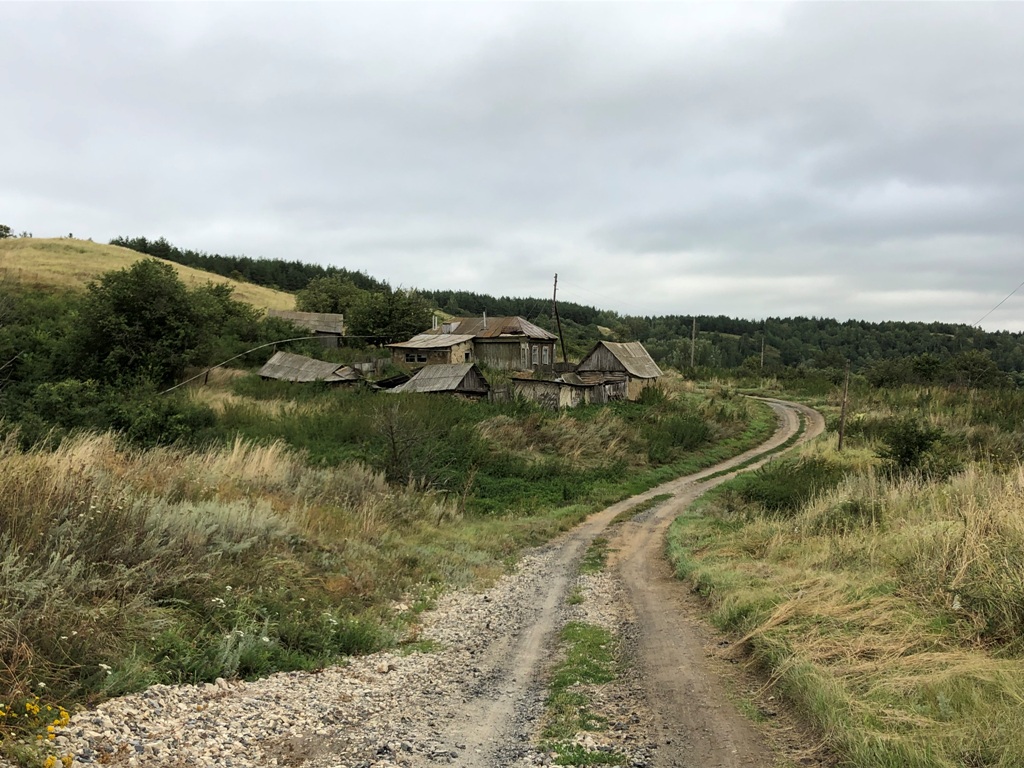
<point>881,587</point>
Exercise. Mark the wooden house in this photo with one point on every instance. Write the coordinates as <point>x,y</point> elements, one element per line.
<point>502,343</point>
<point>626,364</point>
<point>433,349</point>
<point>453,378</point>
<point>328,326</point>
<point>285,366</point>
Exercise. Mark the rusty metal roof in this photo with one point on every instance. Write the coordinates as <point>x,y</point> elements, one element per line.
<point>631,354</point>
<point>447,377</point>
<point>433,341</point>
<point>497,327</point>
<point>285,366</point>
<point>320,322</point>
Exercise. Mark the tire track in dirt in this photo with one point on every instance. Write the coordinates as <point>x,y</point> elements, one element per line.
<point>694,718</point>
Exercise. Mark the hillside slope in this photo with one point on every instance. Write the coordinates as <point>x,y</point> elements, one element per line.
<point>70,264</point>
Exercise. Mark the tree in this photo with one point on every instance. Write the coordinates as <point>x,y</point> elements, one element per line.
<point>140,323</point>
<point>5,232</point>
<point>388,317</point>
<point>328,294</point>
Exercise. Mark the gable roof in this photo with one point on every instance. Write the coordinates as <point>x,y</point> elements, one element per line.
<point>285,366</point>
<point>433,341</point>
<point>496,327</point>
<point>318,322</point>
<point>448,377</point>
<point>630,354</point>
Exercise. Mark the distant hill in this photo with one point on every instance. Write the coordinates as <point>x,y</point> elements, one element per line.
<point>69,264</point>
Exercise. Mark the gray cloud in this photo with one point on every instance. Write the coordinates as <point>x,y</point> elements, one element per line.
<point>848,160</point>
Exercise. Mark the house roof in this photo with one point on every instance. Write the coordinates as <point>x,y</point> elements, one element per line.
<point>319,322</point>
<point>433,341</point>
<point>285,366</point>
<point>631,354</point>
<point>441,378</point>
<point>496,327</point>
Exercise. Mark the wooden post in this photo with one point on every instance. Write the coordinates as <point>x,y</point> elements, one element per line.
<point>558,322</point>
<point>842,411</point>
<point>693,342</point>
<point>762,353</point>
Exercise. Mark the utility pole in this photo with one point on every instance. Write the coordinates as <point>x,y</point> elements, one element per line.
<point>558,322</point>
<point>842,411</point>
<point>693,342</point>
<point>762,353</point>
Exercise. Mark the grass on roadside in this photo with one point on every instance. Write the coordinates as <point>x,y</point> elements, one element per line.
<point>887,609</point>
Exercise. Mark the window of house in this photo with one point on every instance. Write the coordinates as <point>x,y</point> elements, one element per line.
<point>421,358</point>
<point>410,357</point>
<point>467,357</point>
<point>545,352</point>
<point>535,355</point>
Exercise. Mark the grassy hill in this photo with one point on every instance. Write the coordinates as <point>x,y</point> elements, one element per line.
<point>69,264</point>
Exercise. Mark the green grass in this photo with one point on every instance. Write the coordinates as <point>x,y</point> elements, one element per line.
<point>596,556</point>
<point>588,659</point>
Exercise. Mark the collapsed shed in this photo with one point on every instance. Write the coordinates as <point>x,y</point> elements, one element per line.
<point>453,378</point>
<point>285,366</point>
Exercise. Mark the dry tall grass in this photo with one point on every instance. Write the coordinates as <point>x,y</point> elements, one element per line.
<point>892,610</point>
<point>72,264</point>
<point>104,551</point>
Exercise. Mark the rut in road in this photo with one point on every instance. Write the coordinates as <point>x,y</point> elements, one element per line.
<point>694,723</point>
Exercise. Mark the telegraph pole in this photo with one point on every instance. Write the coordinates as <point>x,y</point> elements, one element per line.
<point>693,342</point>
<point>842,411</point>
<point>558,322</point>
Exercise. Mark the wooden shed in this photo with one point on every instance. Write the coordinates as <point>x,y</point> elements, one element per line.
<point>610,362</point>
<point>284,366</point>
<point>561,393</point>
<point>330,327</point>
<point>453,378</point>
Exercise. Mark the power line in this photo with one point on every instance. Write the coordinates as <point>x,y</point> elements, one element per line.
<point>997,306</point>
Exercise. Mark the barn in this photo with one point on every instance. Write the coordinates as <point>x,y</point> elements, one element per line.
<point>626,364</point>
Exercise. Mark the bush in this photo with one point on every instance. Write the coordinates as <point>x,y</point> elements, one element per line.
<point>783,486</point>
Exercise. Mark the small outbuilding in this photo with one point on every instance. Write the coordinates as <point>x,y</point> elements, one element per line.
<point>453,378</point>
<point>284,366</point>
<point>330,327</point>
<point>616,363</point>
<point>433,349</point>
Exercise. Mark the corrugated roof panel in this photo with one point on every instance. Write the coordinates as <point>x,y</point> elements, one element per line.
<point>285,366</point>
<point>433,341</point>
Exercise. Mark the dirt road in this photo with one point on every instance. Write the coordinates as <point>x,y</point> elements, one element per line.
<point>694,721</point>
<point>476,699</point>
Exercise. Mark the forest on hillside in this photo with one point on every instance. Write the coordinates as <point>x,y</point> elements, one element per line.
<point>887,352</point>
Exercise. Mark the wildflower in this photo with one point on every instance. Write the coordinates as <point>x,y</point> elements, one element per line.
<point>227,587</point>
<point>63,637</point>
<point>105,668</point>
<point>40,684</point>
<point>51,761</point>
<point>265,639</point>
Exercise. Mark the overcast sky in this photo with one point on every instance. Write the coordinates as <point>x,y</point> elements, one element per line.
<point>839,160</point>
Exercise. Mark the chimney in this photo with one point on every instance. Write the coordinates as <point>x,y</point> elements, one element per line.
<point>485,319</point>
<point>434,318</point>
